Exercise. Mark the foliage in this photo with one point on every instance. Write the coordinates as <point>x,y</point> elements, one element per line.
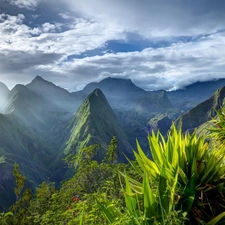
<point>75,202</point>
<point>182,183</point>
<point>112,153</point>
<point>185,175</point>
<point>20,208</point>
<point>218,130</point>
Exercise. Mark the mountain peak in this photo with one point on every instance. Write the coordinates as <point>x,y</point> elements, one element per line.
<point>4,92</point>
<point>97,93</point>
<point>95,122</point>
<point>96,100</point>
<point>118,85</point>
<point>3,87</point>
<point>39,79</point>
<point>117,79</point>
<point>53,93</point>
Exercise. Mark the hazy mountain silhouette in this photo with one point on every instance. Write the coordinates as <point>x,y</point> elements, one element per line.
<point>194,94</point>
<point>4,91</point>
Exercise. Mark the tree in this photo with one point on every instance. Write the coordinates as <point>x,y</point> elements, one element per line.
<point>112,153</point>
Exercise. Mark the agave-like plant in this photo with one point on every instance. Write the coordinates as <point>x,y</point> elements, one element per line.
<point>182,175</point>
<point>217,132</point>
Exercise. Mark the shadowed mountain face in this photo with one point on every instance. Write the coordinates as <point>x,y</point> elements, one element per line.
<point>95,122</point>
<point>202,112</point>
<point>4,92</point>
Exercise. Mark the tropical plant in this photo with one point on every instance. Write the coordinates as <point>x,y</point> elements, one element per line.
<point>217,131</point>
<point>184,174</point>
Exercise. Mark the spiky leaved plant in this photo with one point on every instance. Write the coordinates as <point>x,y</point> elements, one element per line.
<point>183,174</point>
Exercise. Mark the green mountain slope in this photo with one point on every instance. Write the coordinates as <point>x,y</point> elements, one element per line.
<point>133,106</point>
<point>202,112</point>
<point>95,122</point>
<point>20,144</point>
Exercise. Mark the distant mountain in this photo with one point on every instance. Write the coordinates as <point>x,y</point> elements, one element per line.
<point>4,91</point>
<point>54,94</point>
<point>36,111</point>
<point>133,106</point>
<point>96,123</point>
<point>124,94</point>
<point>43,122</point>
<point>202,112</point>
<point>194,94</point>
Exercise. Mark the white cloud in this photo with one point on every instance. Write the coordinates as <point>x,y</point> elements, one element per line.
<point>43,49</point>
<point>29,4</point>
<point>80,36</point>
<point>174,66</point>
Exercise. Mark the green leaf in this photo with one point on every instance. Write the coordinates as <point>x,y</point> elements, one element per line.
<point>216,219</point>
<point>109,216</point>
<point>82,218</point>
<point>163,190</point>
<point>150,205</point>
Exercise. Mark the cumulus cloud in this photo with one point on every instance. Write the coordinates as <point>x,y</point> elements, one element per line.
<point>60,51</point>
<point>169,67</point>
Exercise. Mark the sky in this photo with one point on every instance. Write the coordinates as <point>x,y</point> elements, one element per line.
<point>158,44</point>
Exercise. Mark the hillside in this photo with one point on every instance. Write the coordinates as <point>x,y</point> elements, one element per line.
<point>133,106</point>
<point>96,123</point>
<point>202,112</point>
<point>194,94</point>
<point>19,144</point>
<point>42,123</point>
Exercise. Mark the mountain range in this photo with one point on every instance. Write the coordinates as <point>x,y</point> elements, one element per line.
<point>40,123</point>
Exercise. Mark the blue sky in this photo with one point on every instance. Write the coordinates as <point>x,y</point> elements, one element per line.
<point>158,44</point>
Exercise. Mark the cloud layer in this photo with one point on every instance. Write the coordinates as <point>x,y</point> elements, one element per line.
<point>176,43</point>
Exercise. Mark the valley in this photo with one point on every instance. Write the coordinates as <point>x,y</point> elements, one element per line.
<point>41,123</point>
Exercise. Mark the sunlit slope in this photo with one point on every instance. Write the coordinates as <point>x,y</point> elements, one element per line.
<point>96,123</point>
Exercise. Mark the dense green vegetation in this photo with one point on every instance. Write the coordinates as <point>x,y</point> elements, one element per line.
<point>182,183</point>
<point>41,122</point>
